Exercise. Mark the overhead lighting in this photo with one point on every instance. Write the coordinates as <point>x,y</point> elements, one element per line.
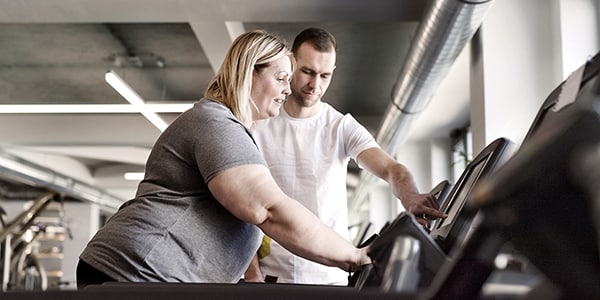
<point>91,108</point>
<point>135,176</point>
<point>132,97</point>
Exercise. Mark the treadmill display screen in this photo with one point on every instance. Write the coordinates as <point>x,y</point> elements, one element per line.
<point>465,189</point>
<point>454,228</point>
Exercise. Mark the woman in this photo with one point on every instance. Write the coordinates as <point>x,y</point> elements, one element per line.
<point>207,191</point>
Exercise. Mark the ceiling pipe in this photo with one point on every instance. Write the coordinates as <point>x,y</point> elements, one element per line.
<point>447,26</point>
<point>21,171</point>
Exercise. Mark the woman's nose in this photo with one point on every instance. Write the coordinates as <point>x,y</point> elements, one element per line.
<point>288,90</point>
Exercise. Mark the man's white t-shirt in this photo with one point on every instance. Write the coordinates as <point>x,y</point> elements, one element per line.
<point>309,158</point>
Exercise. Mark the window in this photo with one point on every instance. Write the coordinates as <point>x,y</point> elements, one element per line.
<point>462,151</point>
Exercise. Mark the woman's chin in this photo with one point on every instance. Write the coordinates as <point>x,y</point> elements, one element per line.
<point>274,114</point>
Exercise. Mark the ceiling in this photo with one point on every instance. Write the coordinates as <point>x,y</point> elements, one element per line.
<point>57,52</point>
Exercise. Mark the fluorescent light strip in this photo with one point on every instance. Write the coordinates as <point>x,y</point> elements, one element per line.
<point>130,95</point>
<point>135,176</point>
<point>91,108</point>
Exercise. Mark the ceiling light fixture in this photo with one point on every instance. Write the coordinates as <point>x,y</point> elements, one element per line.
<point>91,108</point>
<point>117,83</point>
<point>134,176</point>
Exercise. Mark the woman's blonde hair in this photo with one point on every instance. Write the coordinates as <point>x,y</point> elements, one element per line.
<point>254,50</point>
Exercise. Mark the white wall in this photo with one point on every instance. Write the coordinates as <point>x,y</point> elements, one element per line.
<point>579,32</point>
<point>83,220</point>
<point>517,66</point>
<point>519,62</point>
<point>441,159</point>
<point>417,158</point>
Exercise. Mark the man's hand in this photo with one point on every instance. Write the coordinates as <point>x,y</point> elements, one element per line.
<point>403,185</point>
<point>424,207</point>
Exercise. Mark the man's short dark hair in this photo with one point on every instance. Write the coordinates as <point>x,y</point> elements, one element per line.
<point>320,39</point>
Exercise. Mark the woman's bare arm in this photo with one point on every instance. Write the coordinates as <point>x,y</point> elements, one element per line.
<point>250,193</point>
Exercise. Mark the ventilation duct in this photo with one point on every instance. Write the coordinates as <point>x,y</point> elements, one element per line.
<point>447,27</point>
<point>18,170</point>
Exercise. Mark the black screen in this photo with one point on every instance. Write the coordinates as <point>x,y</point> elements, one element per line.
<point>447,232</point>
<point>463,192</point>
<point>441,191</point>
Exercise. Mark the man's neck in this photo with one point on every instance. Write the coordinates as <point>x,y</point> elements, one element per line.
<point>294,110</point>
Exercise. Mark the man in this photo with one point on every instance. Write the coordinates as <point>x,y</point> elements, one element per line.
<point>308,147</point>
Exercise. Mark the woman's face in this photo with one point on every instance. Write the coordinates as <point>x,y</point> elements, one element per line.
<point>270,88</point>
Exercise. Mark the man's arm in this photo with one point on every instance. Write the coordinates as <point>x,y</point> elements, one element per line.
<point>402,183</point>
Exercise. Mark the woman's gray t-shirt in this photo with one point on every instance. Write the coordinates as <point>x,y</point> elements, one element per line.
<point>174,230</point>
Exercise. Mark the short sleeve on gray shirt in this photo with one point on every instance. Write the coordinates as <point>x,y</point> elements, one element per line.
<point>174,229</point>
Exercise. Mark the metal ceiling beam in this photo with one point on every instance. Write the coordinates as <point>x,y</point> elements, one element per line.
<point>19,170</point>
<point>215,39</point>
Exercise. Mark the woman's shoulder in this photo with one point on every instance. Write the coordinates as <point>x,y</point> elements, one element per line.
<point>210,104</point>
<point>205,113</point>
<point>208,108</point>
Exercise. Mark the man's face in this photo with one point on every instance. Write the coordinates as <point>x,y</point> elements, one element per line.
<point>312,75</point>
